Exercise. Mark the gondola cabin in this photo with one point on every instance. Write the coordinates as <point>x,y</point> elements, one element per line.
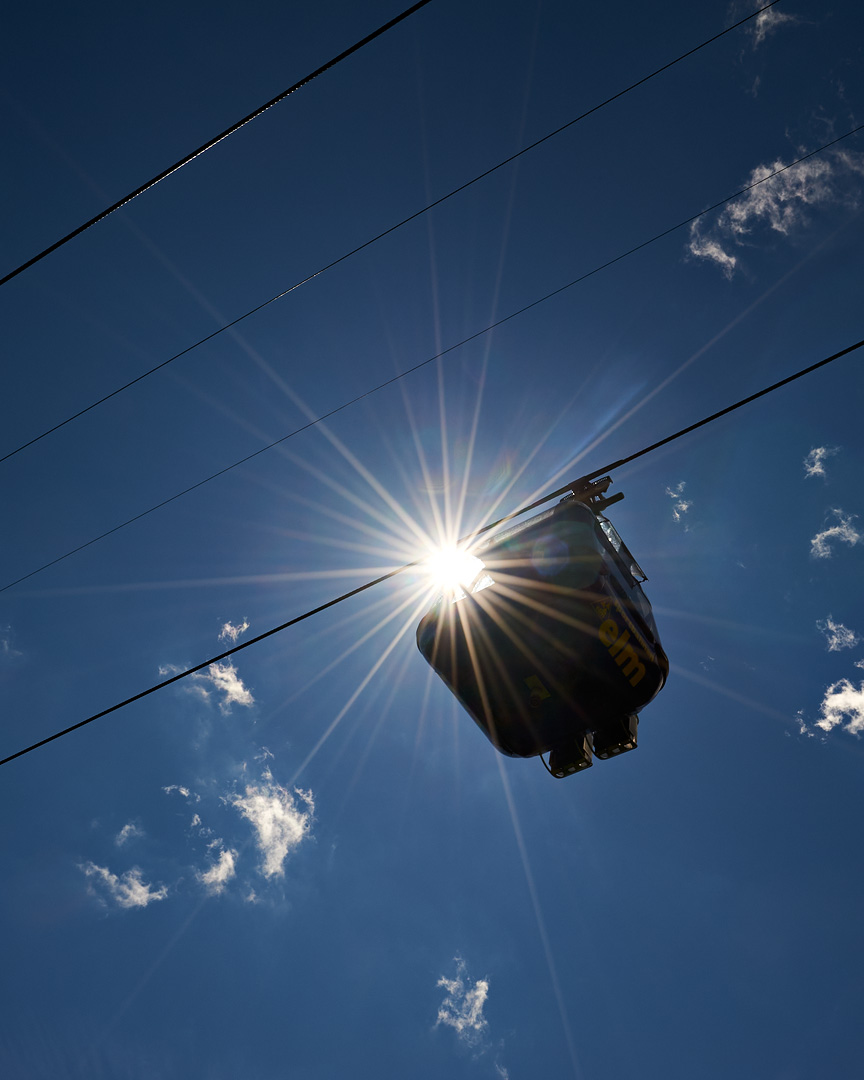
<point>552,646</point>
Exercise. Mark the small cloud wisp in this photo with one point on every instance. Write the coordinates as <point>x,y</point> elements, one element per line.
<point>779,203</point>
<point>843,531</point>
<point>230,632</point>
<point>814,463</point>
<point>462,1008</point>
<point>181,790</point>
<point>225,680</point>
<point>766,22</point>
<point>220,873</point>
<point>837,635</point>
<point>126,891</point>
<point>281,821</point>
<point>130,831</point>
<point>680,506</point>
<point>219,678</point>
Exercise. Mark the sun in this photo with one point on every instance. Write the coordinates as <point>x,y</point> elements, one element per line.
<point>452,569</point>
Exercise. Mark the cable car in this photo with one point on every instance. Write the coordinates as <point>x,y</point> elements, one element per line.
<point>552,646</point>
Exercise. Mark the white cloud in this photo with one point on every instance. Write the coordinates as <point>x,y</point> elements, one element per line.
<point>129,832</point>
<point>680,505</point>
<point>225,680</point>
<point>220,873</point>
<point>766,22</point>
<point>187,685</point>
<point>232,633</point>
<point>462,1008</point>
<point>184,791</point>
<point>703,247</point>
<point>814,463</point>
<point>280,823</point>
<point>843,706</point>
<point>859,663</point>
<point>780,204</point>
<point>127,891</point>
<point>219,678</point>
<point>837,635</point>
<point>844,531</point>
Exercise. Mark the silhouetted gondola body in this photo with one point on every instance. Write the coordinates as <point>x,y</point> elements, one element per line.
<point>553,646</point>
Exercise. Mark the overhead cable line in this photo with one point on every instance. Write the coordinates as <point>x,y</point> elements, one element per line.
<point>379,236</point>
<point>671,438</point>
<point>408,566</point>
<point>422,364</point>
<point>216,139</point>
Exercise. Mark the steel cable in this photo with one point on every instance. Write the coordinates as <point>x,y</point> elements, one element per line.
<point>407,566</point>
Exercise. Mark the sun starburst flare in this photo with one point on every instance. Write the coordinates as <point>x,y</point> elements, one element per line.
<point>452,569</point>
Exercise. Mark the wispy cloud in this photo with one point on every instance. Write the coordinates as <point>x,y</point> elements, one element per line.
<point>188,686</point>
<point>780,204</point>
<point>837,635</point>
<point>768,22</point>
<point>705,247</point>
<point>814,463</point>
<point>281,821</point>
<point>462,1007</point>
<point>843,531</point>
<point>220,873</point>
<point>184,791</point>
<point>7,650</point>
<point>680,505</point>
<point>232,633</point>
<point>225,681</point>
<point>129,832</point>
<point>843,706</point>
<point>126,891</point>
<point>220,678</point>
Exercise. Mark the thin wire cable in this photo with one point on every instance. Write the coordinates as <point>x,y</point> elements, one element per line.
<point>212,660</point>
<point>669,438</point>
<point>417,367</point>
<point>407,566</point>
<point>729,409</point>
<point>379,236</point>
<point>212,142</point>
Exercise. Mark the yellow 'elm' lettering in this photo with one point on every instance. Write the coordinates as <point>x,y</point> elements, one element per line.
<point>609,632</point>
<point>625,656</point>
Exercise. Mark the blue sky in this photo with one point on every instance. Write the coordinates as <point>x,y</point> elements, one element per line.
<point>308,862</point>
